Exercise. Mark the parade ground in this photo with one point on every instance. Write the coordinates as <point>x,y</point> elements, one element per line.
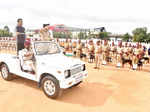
<point>108,89</point>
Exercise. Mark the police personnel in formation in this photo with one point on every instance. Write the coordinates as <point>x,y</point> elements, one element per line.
<point>103,52</point>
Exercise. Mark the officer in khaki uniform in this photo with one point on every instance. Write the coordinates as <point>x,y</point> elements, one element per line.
<point>91,51</point>
<point>98,51</point>
<point>105,52</point>
<point>119,54</point>
<point>74,45</point>
<point>63,44</point>
<point>44,33</point>
<point>79,48</point>
<point>70,45</point>
<point>136,56</point>
<point>113,50</point>
<point>125,49</point>
<point>27,56</point>
<point>84,52</point>
<point>130,49</point>
<point>66,46</point>
<point>126,57</point>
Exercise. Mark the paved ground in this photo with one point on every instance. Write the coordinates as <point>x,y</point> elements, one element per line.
<point>108,89</point>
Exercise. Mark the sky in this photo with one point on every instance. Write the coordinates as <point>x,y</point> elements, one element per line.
<point>117,16</point>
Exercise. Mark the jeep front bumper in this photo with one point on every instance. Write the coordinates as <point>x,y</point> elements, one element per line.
<point>74,79</point>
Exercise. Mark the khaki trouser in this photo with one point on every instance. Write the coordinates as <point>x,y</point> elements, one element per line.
<point>104,56</point>
<point>113,56</point>
<point>135,59</point>
<point>78,52</point>
<point>119,58</point>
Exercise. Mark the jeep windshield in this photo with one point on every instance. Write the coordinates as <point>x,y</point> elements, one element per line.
<point>44,48</point>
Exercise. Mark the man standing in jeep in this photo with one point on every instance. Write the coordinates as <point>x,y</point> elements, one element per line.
<point>44,33</point>
<point>20,35</point>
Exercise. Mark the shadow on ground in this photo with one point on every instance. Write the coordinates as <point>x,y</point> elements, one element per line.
<point>85,94</point>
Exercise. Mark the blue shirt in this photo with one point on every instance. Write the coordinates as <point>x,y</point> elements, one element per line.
<point>20,29</point>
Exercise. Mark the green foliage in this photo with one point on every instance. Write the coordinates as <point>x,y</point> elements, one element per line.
<point>92,36</point>
<point>62,34</point>
<point>140,35</point>
<point>148,37</point>
<point>6,28</point>
<point>4,33</point>
<point>126,37</point>
<point>82,35</point>
<point>103,35</point>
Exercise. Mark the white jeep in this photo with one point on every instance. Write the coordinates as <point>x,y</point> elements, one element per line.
<point>54,71</point>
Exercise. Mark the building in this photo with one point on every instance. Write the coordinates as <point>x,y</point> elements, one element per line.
<point>34,33</point>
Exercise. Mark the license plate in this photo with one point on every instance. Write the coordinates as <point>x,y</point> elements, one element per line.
<point>79,78</point>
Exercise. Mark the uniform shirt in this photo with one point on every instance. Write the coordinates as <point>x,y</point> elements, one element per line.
<point>84,50</point>
<point>91,48</point>
<point>97,49</point>
<point>66,45</point>
<point>125,56</point>
<point>74,45</point>
<point>25,52</point>
<point>105,48</point>
<point>70,44</point>
<point>146,54</point>
<point>125,50</point>
<point>113,48</point>
<point>79,46</point>
<point>141,50</point>
<point>136,51</point>
<point>86,45</point>
<point>119,50</point>
<point>130,49</point>
<point>63,44</point>
<point>45,35</point>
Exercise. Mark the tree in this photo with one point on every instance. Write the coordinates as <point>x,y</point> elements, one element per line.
<point>148,38</point>
<point>69,35</point>
<point>4,33</point>
<point>126,37</point>
<point>91,34</point>
<point>140,35</point>
<point>6,28</point>
<point>81,35</point>
<point>62,34</point>
<point>103,35</point>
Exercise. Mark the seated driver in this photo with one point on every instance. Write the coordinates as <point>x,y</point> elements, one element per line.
<point>27,55</point>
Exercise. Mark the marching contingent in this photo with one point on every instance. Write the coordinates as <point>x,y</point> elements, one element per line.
<point>101,52</point>
<point>105,52</point>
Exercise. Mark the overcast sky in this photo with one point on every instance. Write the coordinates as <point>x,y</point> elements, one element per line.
<point>118,16</point>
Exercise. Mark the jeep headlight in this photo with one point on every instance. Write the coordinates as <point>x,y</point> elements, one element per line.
<point>83,67</point>
<point>67,73</point>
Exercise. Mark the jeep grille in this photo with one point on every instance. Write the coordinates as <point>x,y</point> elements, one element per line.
<point>75,70</point>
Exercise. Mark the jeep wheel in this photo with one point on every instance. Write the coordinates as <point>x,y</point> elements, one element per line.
<point>5,72</point>
<point>50,87</point>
